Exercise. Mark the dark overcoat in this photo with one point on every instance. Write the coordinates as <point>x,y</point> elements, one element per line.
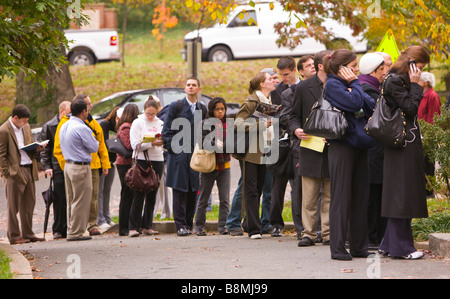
<point>311,163</point>
<point>180,176</point>
<point>404,193</point>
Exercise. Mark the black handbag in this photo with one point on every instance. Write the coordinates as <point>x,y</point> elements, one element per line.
<point>326,121</point>
<point>139,179</point>
<point>284,167</point>
<point>387,124</point>
<point>114,145</point>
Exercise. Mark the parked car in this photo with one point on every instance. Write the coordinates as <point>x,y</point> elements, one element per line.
<point>239,40</point>
<point>167,95</point>
<point>88,47</point>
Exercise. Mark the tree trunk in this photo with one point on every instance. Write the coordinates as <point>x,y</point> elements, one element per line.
<point>43,101</point>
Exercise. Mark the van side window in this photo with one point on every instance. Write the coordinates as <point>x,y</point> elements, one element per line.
<point>237,22</point>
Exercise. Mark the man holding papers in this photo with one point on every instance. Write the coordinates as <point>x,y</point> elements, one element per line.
<point>313,157</point>
<point>19,170</point>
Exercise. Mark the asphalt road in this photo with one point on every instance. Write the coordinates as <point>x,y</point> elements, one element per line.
<point>168,256</point>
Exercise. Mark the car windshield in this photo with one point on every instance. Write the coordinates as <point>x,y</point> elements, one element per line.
<point>102,109</point>
<point>139,99</point>
<point>171,95</point>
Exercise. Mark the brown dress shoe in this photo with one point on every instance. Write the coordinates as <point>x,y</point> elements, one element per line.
<point>36,239</point>
<point>19,241</point>
<point>94,232</point>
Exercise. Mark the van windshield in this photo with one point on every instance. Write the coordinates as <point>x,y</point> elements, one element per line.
<point>238,22</point>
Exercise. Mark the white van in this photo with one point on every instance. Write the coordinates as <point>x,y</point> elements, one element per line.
<point>239,40</point>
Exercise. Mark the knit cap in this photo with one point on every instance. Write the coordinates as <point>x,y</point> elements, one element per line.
<point>369,62</point>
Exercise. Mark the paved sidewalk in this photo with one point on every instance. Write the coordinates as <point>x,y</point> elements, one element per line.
<point>168,256</point>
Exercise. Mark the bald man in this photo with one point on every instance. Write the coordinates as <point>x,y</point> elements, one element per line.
<point>53,170</point>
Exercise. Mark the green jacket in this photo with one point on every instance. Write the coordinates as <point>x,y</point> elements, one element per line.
<point>245,122</point>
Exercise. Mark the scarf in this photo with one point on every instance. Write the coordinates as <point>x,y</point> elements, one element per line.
<point>370,80</point>
<point>268,132</point>
<point>222,159</point>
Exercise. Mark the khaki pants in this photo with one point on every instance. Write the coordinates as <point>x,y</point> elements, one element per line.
<point>93,214</point>
<point>21,200</point>
<point>310,207</point>
<point>78,180</point>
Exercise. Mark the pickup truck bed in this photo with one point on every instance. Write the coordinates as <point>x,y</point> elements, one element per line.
<point>88,47</point>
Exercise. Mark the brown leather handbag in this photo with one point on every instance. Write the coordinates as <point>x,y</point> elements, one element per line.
<point>140,179</point>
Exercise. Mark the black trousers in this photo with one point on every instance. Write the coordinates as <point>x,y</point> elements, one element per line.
<point>59,205</point>
<point>184,204</point>
<point>141,216</point>
<point>279,185</point>
<point>277,203</point>
<point>126,199</point>
<point>253,182</point>
<point>376,223</point>
<point>350,182</point>
<point>398,240</point>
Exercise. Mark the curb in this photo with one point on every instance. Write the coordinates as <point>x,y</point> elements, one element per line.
<point>19,265</point>
<point>440,244</point>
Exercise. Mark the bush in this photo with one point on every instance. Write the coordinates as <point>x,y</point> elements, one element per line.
<point>436,144</point>
<point>437,222</point>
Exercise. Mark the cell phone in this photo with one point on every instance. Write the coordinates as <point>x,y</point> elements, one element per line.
<point>412,62</point>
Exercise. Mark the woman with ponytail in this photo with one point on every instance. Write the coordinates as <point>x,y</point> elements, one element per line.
<point>348,158</point>
<point>252,168</point>
<point>404,194</point>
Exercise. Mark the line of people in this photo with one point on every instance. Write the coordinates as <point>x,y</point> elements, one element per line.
<point>353,192</point>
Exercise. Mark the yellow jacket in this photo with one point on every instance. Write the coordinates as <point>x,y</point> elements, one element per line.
<point>99,159</point>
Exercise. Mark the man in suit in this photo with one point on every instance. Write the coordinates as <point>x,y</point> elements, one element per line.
<point>313,165</point>
<point>53,170</point>
<point>19,170</point>
<point>180,145</point>
<point>306,67</point>
<point>287,68</point>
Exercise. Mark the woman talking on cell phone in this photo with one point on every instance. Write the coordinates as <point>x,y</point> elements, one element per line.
<point>348,158</point>
<point>404,195</point>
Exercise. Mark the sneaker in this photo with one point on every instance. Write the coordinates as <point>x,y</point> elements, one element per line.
<point>414,256</point>
<point>305,241</point>
<point>276,232</point>
<point>256,236</point>
<point>133,233</point>
<point>383,253</point>
<point>183,232</point>
<point>104,226</point>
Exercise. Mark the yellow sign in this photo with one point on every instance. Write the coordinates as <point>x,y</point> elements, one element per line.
<point>389,46</point>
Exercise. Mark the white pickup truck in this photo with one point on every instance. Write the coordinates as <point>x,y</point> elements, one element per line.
<point>88,47</point>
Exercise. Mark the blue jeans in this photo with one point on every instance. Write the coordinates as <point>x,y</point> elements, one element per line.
<point>234,218</point>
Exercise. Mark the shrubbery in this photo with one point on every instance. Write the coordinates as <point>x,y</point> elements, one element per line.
<point>436,143</point>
